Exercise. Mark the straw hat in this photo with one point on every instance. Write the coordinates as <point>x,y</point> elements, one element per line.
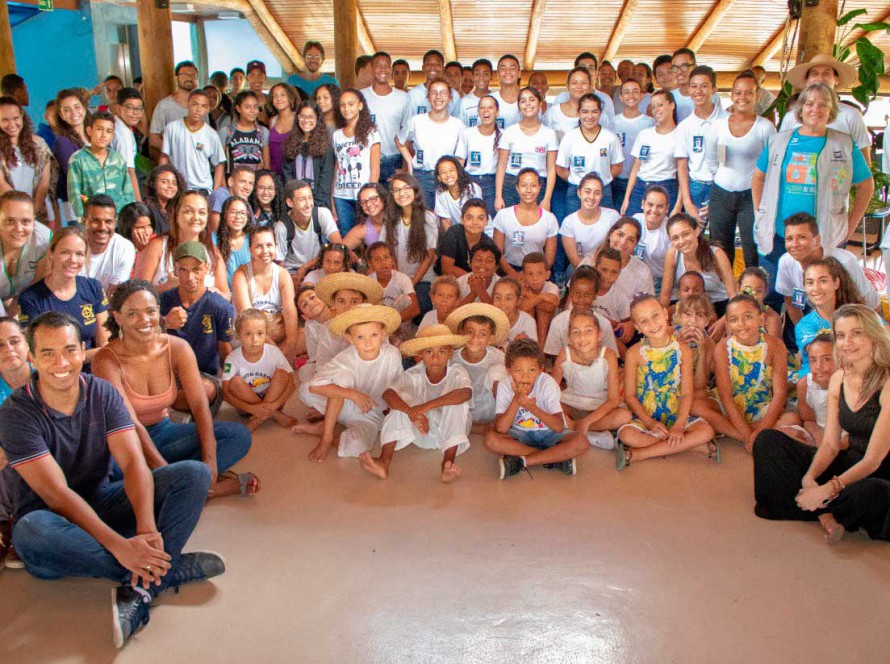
<point>501,324</point>
<point>329,285</point>
<point>366,313</point>
<point>846,74</point>
<point>430,337</point>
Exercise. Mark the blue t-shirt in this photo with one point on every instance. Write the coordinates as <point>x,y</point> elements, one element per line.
<point>89,300</point>
<point>30,430</point>
<point>807,329</point>
<point>209,322</point>
<point>309,86</point>
<point>798,190</point>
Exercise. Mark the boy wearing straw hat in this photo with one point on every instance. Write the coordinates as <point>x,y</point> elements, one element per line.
<point>429,404</point>
<point>350,387</point>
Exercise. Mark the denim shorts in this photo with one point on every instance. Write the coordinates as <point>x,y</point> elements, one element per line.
<point>539,438</point>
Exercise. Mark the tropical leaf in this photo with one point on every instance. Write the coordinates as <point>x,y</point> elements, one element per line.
<point>872,27</point>
<point>849,16</point>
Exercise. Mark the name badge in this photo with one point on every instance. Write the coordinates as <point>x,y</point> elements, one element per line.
<point>473,122</point>
<point>421,110</point>
<point>519,238</point>
<point>698,143</point>
<point>622,137</point>
<point>419,157</point>
<point>640,252</point>
<point>500,122</point>
<point>644,153</point>
<point>374,118</point>
<point>516,160</point>
<point>578,163</point>
<point>604,152</point>
<point>475,158</point>
<point>799,298</point>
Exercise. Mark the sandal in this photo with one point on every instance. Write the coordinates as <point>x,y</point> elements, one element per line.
<point>246,481</point>
<point>714,450</point>
<point>623,457</point>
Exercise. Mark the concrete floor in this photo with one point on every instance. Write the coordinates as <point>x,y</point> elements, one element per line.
<point>665,562</point>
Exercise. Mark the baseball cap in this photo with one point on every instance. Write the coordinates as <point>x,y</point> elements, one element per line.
<point>256,64</point>
<point>190,249</point>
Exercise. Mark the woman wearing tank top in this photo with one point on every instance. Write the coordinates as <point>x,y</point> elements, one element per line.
<point>845,482</point>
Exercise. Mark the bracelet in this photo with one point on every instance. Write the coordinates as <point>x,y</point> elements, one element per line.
<point>837,484</point>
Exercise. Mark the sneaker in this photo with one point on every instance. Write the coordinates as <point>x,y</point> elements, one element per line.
<point>12,559</point>
<point>129,608</point>
<point>510,465</point>
<point>601,439</point>
<point>569,466</point>
<point>196,566</point>
<point>5,542</point>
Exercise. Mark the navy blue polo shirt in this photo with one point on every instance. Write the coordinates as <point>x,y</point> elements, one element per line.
<point>210,320</point>
<point>89,300</point>
<point>31,430</point>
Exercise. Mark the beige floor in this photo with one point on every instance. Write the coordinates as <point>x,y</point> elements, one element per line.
<point>663,563</point>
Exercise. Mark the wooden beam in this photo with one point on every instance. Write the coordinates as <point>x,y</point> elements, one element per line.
<point>268,40</point>
<point>364,37</point>
<point>446,24</point>
<point>272,25</point>
<point>534,31</point>
<point>345,40</point>
<point>817,30</point>
<point>621,26</point>
<point>155,52</point>
<point>7,55</point>
<point>711,22</point>
<point>774,45</point>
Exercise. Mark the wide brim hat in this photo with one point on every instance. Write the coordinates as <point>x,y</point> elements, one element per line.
<point>366,313</point>
<point>431,337</point>
<point>327,286</point>
<point>501,322</point>
<point>846,74</point>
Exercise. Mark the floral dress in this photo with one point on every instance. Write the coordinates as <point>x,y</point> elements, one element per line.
<point>658,383</point>
<point>751,377</point>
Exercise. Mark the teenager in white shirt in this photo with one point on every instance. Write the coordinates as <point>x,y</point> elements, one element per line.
<point>387,106</point>
<point>193,147</point>
<point>627,125</point>
<point>582,232</point>
<point>357,148</point>
<point>418,96</point>
<point>682,64</point>
<point>654,241</point>
<point>482,71</point>
<point>526,227</point>
<point>507,94</point>
<point>589,61</point>
<point>128,111</point>
<point>564,117</point>
<point>478,150</point>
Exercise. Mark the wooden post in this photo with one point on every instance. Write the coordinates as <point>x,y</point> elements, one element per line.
<point>199,50</point>
<point>817,30</point>
<point>345,40</point>
<point>7,56</point>
<point>155,53</point>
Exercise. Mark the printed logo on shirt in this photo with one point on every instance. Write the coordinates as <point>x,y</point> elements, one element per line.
<point>475,158</point>
<point>698,143</point>
<point>838,154</point>
<point>798,298</point>
<point>578,163</point>
<point>87,314</point>
<point>800,174</point>
<point>473,122</point>
<point>199,147</point>
<point>515,160</point>
<point>604,152</point>
<point>622,136</point>
<point>644,152</point>
<point>207,323</point>
<point>227,368</point>
<point>419,157</point>
<point>540,149</point>
<point>421,109</point>
<point>500,122</point>
<point>519,238</point>
<point>640,252</point>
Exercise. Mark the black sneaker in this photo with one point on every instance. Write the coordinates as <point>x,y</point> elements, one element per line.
<point>129,608</point>
<point>569,467</point>
<point>196,566</point>
<point>5,542</point>
<point>511,465</point>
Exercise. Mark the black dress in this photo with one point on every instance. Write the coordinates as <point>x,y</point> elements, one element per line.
<point>780,462</point>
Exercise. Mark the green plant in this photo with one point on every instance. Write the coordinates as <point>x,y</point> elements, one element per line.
<point>882,181</point>
<point>871,58</point>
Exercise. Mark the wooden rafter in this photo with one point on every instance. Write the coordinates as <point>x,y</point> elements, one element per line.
<point>534,31</point>
<point>269,41</point>
<point>272,25</point>
<point>711,22</point>
<point>364,37</point>
<point>624,22</point>
<point>446,23</point>
<point>774,45</point>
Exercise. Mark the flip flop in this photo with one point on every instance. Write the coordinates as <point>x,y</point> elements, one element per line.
<point>622,458</point>
<point>245,481</point>
<point>714,450</point>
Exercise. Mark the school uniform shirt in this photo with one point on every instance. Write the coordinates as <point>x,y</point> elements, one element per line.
<point>697,142</point>
<point>166,111</point>
<point>193,153</point>
<point>656,154</point>
<point>519,240</point>
<point>627,130</point>
<point>559,122</point>
<point>478,152</point>
<point>124,142</point>
<point>398,291</point>
<point>87,303</point>
<point>558,334</point>
<point>737,156</point>
<point>608,105</point>
<point>463,282</point>
<point>588,237</point>
<point>31,254</point>
<point>306,244</point>
<point>210,321</point>
<point>87,176</point>
<point>469,110</point>
<point>353,163</point>
<point>685,105</point>
<point>789,278</point>
<point>454,245</point>
<point>508,112</point>
<point>244,148</point>
<point>653,245</point>
<point>258,375</point>
<point>370,377</point>
<point>432,140</point>
<point>114,265</point>
<point>546,394</point>
<point>403,261</point>
<point>526,325</point>
<point>613,305</point>
<point>848,120</point>
<point>419,104</point>
<point>524,151</point>
<point>387,112</point>
<point>449,208</point>
<point>582,156</point>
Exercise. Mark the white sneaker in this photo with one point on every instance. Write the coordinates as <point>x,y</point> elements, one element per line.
<point>601,439</point>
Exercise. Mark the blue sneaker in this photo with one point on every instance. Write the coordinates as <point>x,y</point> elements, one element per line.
<point>196,566</point>
<point>129,608</point>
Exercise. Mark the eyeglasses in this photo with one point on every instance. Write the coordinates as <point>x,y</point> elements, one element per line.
<point>400,190</point>
<point>684,67</point>
<point>307,117</point>
<point>266,189</point>
<point>439,93</point>
<point>312,57</point>
<point>370,199</point>
<point>134,109</point>
<point>238,213</point>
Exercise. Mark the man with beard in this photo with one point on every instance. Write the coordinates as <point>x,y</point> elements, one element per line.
<point>312,77</point>
<point>175,106</point>
<point>111,254</point>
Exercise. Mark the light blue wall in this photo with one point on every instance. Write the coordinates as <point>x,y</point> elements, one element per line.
<point>234,43</point>
<point>54,50</point>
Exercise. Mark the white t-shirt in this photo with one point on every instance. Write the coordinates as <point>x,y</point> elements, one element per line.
<point>525,151</point>
<point>429,318</point>
<point>627,131</point>
<point>789,277</point>
<point>469,110</point>
<point>508,112</point>
<point>478,152</point>
<point>431,139</point>
<point>849,121</point>
<point>398,291</point>
<point>114,265</point>
<point>685,105</point>
<point>478,372</point>
<point>124,141</point>
<point>656,154</point>
<point>21,176</point>
<point>581,156</point>
<point>697,142</point>
<point>415,388</point>
<point>193,153</point>
<point>558,335</point>
<point>353,164</point>
<point>305,246</point>
<point>613,305</point>
<point>463,282</point>
<point>419,104</point>
<point>546,394</point>
<point>26,267</point>
<point>588,237</point>
<point>403,262</point>
<point>166,111</point>
<point>635,278</point>
<point>370,377</point>
<point>258,375</point>
<point>519,240</point>
<point>526,325</point>
<point>559,121</point>
<point>653,245</point>
<point>387,112</point>
<point>736,157</point>
<point>328,345</point>
<point>449,208</point>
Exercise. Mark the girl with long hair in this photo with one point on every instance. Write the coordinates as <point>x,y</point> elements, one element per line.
<point>267,199</point>
<point>164,185</point>
<point>24,156</point>
<point>357,146</point>
<point>231,236</point>
<point>284,100</point>
<point>309,155</point>
<point>454,187</point>
<point>71,116</point>
<point>245,140</point>
<point>478,150</point>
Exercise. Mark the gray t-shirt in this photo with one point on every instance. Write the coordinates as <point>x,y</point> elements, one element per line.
<point>166,112</point>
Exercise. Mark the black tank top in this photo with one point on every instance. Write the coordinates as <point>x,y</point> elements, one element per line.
<point>859,424</point>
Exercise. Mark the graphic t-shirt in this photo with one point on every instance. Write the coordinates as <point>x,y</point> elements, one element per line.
<point>88,301</point>
<point>353,164</point>
<point>258,375</point>
<point>545,392</point>
<point>209,321</point>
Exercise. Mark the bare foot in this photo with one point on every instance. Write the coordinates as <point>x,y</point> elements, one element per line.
<point>283,420</point>
<point>450,472</point>
<point>373,466</point>
<point>254,423</point>
<point>834,531</point>
<point>313,429</point>
<point>320,452</point>
<point>480,427</point>
<point>313,416</point>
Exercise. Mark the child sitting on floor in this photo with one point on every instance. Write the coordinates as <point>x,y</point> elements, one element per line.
<point>755,282</point>
<point>485,328</point>
<point>812,392</point>
<point>530,427</point>
<point>478,284</point>
<point>428,405</point>
<point>333,258</point>
<point>444,294</point>
<point>612,302</point>
<point>692,317</point>
<point>591,399</point>
<point>540,297</point>
<point>658,388</point>
<point>257,378</point>
<point>398,289</point>
<point>506,296</point>
<point>582,292</point>
<point>313,313</point>
<point>349,389</point>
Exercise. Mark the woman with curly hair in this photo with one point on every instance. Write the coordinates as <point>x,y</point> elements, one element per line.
<point>327,97</point>
<point>454,187</point>
<point>309,155</point>
<point>164,184</point>
<point>231,236</point>
<point>284,101</point>
<point>71,115</point>
<point>24,156</point>
<point>357,146</point>
<point>267,199</point>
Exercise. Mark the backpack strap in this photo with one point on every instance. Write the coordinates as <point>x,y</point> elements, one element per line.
<point>316,226</point>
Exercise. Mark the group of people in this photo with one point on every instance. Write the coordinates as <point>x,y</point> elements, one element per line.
<point>419,265</point>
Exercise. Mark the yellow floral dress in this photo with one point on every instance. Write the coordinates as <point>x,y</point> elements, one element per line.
<point>658,383</point>
<point>751,377</point>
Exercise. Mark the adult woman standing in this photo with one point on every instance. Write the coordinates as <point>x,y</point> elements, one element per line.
<point>24,156</point>
<point>327,98</point>
<point>844,486</point>
<point>526,144</point>
<point>309,155</point>
<point>741,138</point>
<point>433,135</point>
<point>148,367</point>
<point>284,100</point>
<point>135,223</point>
<point>357,147</point>
<point>71,115</point>
<point>164,184</point>
<point>231,237</point>
<point>584,230</point>
<point>478,149</point>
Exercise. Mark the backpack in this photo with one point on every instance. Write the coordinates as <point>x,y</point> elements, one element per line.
<point>292,230</point>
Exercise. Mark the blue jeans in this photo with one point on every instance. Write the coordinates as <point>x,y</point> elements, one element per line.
<point>619,189</point>
<point>700,192</point>
<point>178,442</point>
<point>388,167</point>
<point>346,212</point>
<point>486,183</point>
<point>573,203</point>
<point>636,196</point>
<point>729,209</point>
<point>541,439</point>
<point>52,547</point>
<point>427,180</point>
<point>770,263</point>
